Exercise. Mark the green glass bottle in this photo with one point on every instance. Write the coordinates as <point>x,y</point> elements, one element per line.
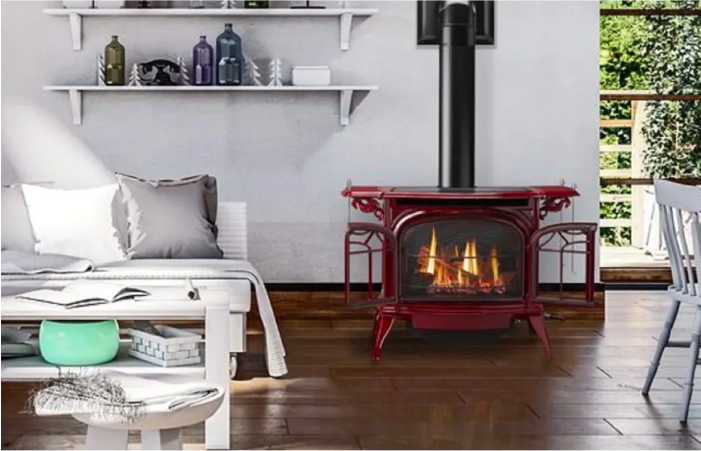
<point>114,63</point>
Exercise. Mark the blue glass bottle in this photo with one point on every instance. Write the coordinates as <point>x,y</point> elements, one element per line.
<point>229,58</point>
<point>203,63</point>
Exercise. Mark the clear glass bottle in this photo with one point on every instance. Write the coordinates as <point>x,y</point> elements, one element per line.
<point>203,63</point>
<point>229,57</point>
<point>256,4</point>
<point>115,57</point>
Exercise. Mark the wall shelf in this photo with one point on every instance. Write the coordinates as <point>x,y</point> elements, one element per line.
<point>345,17</point>
<point>75,94</point>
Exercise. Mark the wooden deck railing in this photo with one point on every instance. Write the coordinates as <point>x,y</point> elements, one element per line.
<point>635,176</point>
<point>636,198</point>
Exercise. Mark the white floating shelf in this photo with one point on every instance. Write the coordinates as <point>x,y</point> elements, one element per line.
<point>76,94</point>
<point>28,369</point>
<point>345,17</point>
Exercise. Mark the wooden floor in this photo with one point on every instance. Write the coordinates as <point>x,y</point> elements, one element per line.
<point>428,395</point>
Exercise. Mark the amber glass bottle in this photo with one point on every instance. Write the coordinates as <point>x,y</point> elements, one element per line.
<point>114,63</point>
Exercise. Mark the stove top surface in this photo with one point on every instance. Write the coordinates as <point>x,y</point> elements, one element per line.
<point>434,192</point>
<point>475,190</point>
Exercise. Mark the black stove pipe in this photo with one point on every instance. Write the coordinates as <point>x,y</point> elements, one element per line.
<point>457,96</point>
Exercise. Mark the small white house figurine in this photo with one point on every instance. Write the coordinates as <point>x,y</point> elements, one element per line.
<point>228,4</point>
<point>275,72</point>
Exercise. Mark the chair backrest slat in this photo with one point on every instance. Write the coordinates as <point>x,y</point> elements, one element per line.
<point>676,202</point>
<point>696,238</point>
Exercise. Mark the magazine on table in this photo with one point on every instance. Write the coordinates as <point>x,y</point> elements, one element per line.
<point>83,293</point>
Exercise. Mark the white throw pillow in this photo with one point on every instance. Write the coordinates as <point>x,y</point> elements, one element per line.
<point>17,234</point>
<point>79,223</point>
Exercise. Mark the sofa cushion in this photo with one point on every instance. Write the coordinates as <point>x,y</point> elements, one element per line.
<point>171,218</point>
<point>80,223</point>
<point>17,233</point>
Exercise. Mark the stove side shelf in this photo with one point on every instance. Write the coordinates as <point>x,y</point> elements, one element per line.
<point>362,238</point>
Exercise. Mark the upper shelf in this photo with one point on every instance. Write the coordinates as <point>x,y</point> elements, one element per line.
<point>345,17</point>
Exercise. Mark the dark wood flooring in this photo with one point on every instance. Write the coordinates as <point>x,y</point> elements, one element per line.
<point>444,393</point>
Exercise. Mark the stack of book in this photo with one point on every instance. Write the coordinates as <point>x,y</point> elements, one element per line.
<point>15,343</point>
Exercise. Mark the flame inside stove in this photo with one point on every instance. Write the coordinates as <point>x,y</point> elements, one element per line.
<point>453,272</point>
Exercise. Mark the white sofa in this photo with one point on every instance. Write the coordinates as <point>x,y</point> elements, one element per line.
<point>233,271</point>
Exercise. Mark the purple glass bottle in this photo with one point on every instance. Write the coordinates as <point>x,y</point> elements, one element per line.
<point>203,63</point>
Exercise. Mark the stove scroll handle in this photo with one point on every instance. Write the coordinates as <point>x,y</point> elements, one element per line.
<point>349,186</point>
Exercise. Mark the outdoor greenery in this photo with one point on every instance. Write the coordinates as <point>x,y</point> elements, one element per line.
<point>672,130</point>
<point>661,54</point>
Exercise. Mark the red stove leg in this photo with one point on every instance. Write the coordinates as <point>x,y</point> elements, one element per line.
<point>538,324</point>
<point>383,324</point>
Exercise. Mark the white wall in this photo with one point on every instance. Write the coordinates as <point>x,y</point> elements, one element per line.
<point>286,155</point>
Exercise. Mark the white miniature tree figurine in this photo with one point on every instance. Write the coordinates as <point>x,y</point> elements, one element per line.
<point>252,72</point>
<point>184,73</point>
<point>228,4</point>
<point>275,72</point>
<point>134,77</point>
<point>100,70</point>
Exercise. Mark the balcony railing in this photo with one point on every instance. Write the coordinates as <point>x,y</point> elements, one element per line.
<point>635,176</point>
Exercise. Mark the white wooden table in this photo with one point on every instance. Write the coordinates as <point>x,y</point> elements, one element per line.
<point>213,309</point>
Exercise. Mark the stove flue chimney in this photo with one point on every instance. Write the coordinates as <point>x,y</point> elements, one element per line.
<point>457,96</point>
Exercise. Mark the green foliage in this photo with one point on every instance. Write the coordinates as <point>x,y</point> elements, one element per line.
<point>663,54</point>
<point>620,67</point>
<point>673,129</point>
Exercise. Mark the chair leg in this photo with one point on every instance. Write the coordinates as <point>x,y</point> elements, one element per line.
<point>661,345</point>
<point>693,361</point>
<point>104,438</point>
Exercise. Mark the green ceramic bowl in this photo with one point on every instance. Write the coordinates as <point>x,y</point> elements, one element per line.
<point>78,343</point>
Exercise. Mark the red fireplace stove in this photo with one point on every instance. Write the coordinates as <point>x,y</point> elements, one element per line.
<point>458,256</point>
<point>465,259</point>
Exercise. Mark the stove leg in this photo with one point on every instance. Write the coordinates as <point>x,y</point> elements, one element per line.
<point>538,324</point>
<point>383,324</point>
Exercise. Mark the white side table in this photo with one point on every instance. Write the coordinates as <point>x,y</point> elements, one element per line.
<point>159,430</point>
<point>213,309</point>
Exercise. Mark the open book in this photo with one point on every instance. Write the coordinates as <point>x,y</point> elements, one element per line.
<point>81,293</point>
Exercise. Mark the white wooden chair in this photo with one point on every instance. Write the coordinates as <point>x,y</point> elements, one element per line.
<point>680,206</point>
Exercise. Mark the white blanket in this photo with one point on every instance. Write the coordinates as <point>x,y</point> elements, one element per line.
<point>224,269</point>
<point>155,394</point>
<point>18,262</point>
